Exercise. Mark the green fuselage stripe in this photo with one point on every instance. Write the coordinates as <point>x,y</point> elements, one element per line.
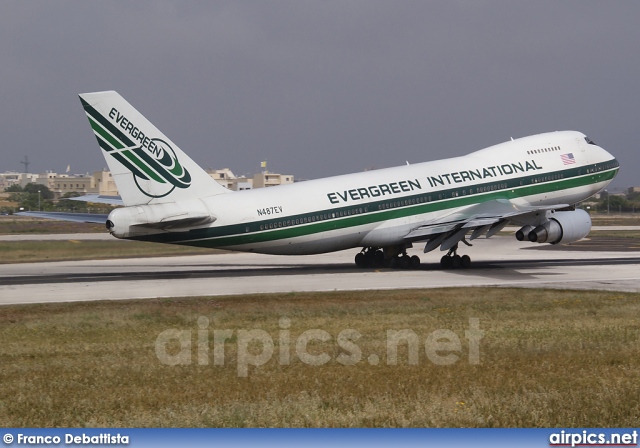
<point>378,211</point>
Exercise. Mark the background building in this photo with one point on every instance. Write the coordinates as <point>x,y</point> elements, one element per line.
<point>102,183</point>
<point>227,179</point>
<point>267,179</point>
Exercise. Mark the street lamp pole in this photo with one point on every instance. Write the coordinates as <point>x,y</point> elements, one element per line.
<point>39,209</point>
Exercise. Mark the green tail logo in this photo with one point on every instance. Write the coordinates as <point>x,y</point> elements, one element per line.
<point>153,162</point>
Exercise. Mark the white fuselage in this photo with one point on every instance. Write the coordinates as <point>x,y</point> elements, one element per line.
<point>379,208</point>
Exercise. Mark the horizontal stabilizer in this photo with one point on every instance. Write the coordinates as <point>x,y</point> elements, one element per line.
<point>99,199</point>
<point>179,223</point>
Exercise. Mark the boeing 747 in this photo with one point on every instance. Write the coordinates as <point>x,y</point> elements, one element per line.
<point>532,182</point>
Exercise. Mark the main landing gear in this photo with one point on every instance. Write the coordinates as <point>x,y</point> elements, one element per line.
<point>454,261</point>
<point>397,258</point>
<point>389,257</point>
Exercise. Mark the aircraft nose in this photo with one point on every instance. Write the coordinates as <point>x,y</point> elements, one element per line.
<point>606,155</point>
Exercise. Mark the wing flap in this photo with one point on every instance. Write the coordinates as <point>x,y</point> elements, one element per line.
<point>479,222</point>
<point>428,230</point>
<point>476,216</point>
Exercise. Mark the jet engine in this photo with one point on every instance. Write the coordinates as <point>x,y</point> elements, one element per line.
<point>562,228</point>
<point>523,233</point>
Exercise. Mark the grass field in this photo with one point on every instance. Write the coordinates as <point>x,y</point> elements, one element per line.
<point>32,251</point>
<point>615,234</point>
<point>547,358</point>
<point>21,225</point>
<point>615,219</point>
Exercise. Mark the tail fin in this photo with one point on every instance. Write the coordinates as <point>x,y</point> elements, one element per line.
<point>147,167</point>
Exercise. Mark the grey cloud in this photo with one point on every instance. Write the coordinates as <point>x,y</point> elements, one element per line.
<point>319,88</point>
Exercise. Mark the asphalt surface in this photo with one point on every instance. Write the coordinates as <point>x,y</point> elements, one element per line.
<point>595,263</point>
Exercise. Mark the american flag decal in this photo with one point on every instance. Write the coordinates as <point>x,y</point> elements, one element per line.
<point>568,158</point>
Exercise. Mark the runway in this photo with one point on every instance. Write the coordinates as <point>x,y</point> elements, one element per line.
<point>104,236</point>
<point>499,261</point>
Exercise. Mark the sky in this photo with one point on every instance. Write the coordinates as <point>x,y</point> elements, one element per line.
<point>320,88</point>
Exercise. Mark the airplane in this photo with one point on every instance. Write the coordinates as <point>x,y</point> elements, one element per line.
<point>532,182</point>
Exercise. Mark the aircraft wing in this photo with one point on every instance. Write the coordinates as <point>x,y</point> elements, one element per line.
<point>74,217</point>
<point>79,217</point>
<point>484,218</point>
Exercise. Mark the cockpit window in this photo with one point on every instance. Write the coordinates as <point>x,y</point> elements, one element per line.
<point>589,141</point>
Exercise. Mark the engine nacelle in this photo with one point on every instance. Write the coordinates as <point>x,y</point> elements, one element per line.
<point>562,228</point>
<point>523,233</point>
<point>141,220</point>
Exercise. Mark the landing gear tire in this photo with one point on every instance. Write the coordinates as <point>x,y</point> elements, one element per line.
<point>370,258</point>
<point>373,257</point>
<point>404,261</point>
<point>446,262</point>
<point>378,258</point>
<point>454,261</point>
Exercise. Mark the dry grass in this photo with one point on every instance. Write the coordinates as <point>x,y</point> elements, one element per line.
<point>49,250</point>
<point>548,358</point>
<point>635,234</point>
<point>627,219</point>
<point>20,225</point>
